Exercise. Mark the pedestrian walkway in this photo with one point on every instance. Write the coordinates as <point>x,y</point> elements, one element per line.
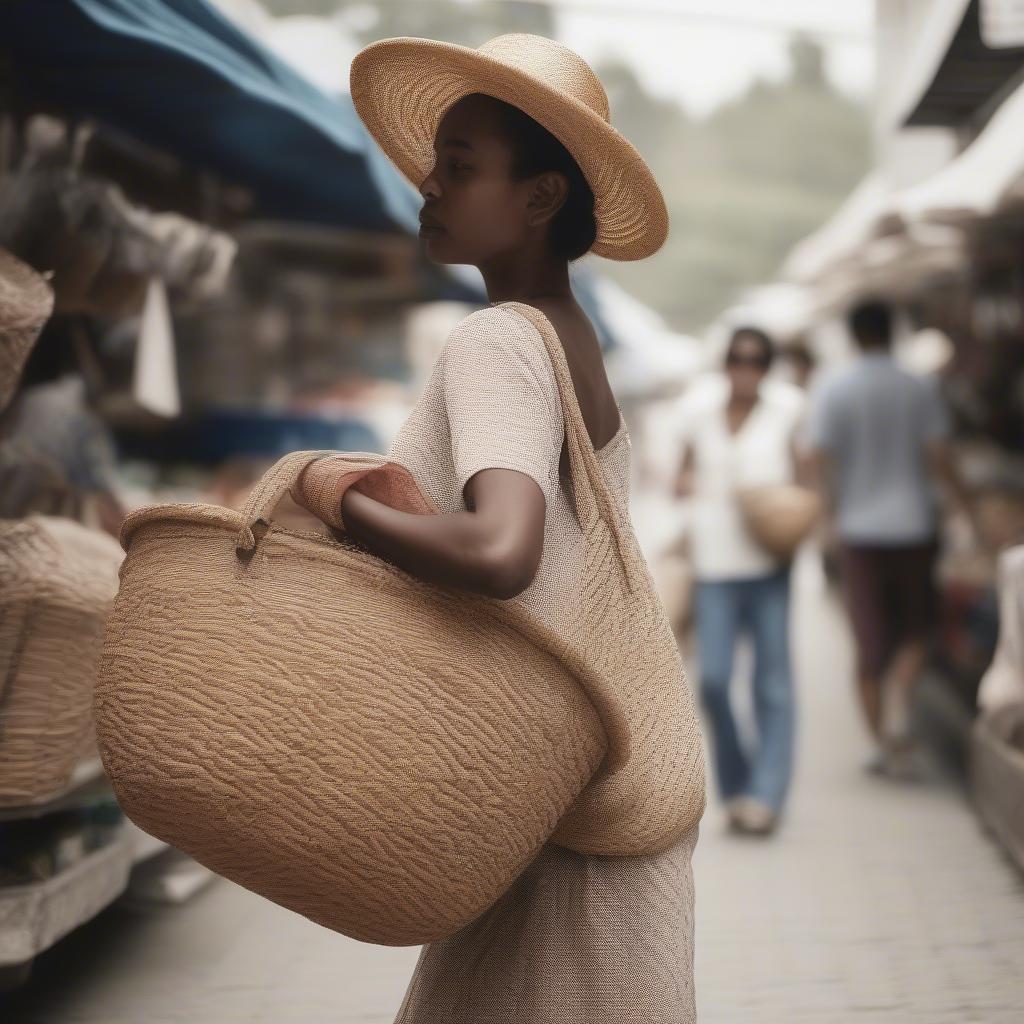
<point>875,902</point>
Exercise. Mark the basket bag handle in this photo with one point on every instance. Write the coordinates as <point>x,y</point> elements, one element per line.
<point>591,495</point>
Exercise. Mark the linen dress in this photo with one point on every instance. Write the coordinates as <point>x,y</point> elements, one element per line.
<point>577,937</point>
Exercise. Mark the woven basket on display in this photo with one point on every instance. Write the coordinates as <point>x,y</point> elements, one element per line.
<point>59,581</point>
<point>26,302</point>
<point>377,753</point>
<point>780,516</point>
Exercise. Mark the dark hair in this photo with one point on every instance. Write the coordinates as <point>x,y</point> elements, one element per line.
<point>761,337</point>
<point>573,229</point>
<point>870,322</point>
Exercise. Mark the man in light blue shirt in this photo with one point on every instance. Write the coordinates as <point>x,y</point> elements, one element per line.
<point>879,437</point>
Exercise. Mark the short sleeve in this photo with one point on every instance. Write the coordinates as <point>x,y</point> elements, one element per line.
<point>936,415</point>
<point>502,400</point>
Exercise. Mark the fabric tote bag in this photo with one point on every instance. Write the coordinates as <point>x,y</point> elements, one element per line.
<point>380,754</point>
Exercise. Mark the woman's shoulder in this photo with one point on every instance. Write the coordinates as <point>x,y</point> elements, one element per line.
<point>494,336</point>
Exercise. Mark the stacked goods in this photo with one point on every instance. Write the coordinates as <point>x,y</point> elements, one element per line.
<point>59,582</point>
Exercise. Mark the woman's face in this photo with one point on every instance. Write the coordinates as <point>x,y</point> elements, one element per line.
<point>746,365</point>
<point>480,212</point>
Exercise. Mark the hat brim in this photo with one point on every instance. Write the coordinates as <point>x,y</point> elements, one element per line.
<point>402,87</point>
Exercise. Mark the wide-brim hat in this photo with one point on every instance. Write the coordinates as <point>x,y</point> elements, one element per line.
<point>402,87</point>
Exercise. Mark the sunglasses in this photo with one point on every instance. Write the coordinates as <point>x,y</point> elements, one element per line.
<point>735,359</point>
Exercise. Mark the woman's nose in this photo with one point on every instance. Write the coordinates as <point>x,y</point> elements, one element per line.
<point>428,187</point>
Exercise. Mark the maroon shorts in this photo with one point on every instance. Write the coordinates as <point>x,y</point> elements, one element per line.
<point>891,597</point>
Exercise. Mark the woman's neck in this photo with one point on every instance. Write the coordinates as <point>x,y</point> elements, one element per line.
<point>527,280</point>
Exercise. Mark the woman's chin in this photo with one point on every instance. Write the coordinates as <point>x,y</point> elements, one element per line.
<point>437,251</point>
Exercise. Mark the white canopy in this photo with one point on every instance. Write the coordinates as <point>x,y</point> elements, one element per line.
<point>843,234</point>
<point>974,184</point>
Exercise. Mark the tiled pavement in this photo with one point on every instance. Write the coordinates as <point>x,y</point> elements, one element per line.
<point>875,902</point>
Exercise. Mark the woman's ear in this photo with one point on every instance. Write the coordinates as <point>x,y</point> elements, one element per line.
<point>546,198</point>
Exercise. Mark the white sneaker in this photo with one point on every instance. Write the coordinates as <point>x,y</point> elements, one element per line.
<point>754,816</point>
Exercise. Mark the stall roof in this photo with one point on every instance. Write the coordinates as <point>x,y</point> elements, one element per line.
<point>179,75</point>
<point>955,77</point>
<point>842,234</point>
<point>183,77</point>
<point>973,183</point>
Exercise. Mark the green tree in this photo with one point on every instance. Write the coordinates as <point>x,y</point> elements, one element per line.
<point>743,185</point>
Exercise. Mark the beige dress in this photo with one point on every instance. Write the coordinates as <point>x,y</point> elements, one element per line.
<point>577,938</point>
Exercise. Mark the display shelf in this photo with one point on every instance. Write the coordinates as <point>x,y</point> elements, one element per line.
<point>87,782</point>
<point>34,916</point>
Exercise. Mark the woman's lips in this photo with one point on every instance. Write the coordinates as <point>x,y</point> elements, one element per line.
<point>426,230</point>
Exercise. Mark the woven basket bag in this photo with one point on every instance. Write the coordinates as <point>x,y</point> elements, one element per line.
<point>377,753</point>
<point>780,516</point>
<point>59,581</point>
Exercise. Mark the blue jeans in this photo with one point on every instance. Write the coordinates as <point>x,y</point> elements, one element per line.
<point>723,609</point>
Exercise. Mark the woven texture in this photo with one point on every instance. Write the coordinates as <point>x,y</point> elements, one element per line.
<point>577,939</point>
<point>59,582</point>
<point>26,302</point>
<point>501,394</point>
<point>780,516</point>
<point>402,87</point>
<point>379,754</point>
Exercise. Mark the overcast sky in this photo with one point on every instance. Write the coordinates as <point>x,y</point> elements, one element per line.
<point>704,51</point>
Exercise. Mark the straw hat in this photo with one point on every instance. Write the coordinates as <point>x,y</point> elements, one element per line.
<point>402,87</point>
<point>26,302</point>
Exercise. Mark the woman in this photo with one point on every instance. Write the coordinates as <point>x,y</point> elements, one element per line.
<point>578,937</point>
<point>740,431</point>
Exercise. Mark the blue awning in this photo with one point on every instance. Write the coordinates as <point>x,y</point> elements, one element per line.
<point>178,75</point>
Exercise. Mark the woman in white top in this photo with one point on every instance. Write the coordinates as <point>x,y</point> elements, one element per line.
<point>738,430</point>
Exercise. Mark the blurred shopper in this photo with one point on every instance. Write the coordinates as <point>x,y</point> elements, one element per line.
<point>739,430</point>
<point>878,437</point>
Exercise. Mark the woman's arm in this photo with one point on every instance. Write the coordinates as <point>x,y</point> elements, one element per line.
<point>492,548</point>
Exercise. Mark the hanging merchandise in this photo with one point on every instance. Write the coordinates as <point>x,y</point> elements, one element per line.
<point>26,302</point>
<point>59,581</point>
<point>102,249</point>
<point>155,376</point>
<point>383,755</point>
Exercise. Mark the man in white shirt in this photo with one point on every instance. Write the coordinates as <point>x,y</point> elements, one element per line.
<point>738,430</point>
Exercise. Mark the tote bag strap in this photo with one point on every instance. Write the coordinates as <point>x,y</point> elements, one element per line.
<point>591,494</point>
<point>277,480</point>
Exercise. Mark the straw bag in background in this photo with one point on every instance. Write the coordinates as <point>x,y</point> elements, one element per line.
<point>380,754</point>
<point>59,582</point>
<point>26,302</point>
<point>779,516</point>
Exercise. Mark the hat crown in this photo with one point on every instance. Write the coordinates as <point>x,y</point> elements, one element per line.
<point>551,63</point>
